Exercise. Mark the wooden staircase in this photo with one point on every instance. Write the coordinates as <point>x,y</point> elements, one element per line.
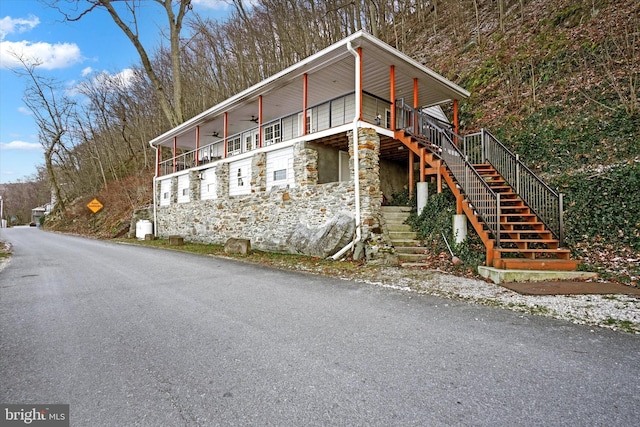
<point>524,241</point>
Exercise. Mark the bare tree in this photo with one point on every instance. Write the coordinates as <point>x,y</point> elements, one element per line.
<point>125,14</point>
<point>51,109</point>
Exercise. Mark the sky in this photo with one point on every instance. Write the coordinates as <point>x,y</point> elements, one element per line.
<point>69,52</point>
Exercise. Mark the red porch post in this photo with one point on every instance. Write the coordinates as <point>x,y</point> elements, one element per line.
<point>392,83</point>
<point>456,128</point>
<point>415,105</point>
<point>225,130</point>
<point>158,159</point>
<point>197,145</point>
<point>260,121</point>
<point>411,178</point>
<point>175,153</point>
<point>305,94</point>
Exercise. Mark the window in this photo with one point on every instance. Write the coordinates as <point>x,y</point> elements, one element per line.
<point>240,177</point>
<point>280,175</point>
<point>387,116</point>
<point>272,134</point>
<point>251,140</point>
<point>234,146</point>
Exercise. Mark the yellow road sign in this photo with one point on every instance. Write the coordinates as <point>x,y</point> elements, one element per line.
<point>94,205</point>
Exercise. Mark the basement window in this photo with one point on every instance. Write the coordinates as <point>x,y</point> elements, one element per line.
<point>280,175</point>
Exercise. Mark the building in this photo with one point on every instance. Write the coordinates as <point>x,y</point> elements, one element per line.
<point>276,163</point>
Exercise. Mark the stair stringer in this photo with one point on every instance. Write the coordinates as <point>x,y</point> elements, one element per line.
<point>472,216</point>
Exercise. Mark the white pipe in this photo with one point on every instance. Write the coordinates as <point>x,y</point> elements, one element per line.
<point>155,179</point>
<point>356,158</point>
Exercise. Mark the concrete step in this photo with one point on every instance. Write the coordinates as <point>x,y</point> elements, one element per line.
<point>396,216</point>
<point>402,235</point>
<point>386,209</point>
<point>411,250</point>
<point>399,243</point>
<point>398,227</point>
<point>411,257</point>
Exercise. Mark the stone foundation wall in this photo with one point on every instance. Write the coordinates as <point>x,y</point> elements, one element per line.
<point>270,218</point>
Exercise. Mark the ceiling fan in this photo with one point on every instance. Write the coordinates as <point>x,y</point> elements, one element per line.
<point>253,119</point>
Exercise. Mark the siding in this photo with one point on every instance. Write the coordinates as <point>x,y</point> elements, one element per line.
<point>280,168</point>
<point>165,192</point>
<point>183,188</point>
<point>240,177</point>
<point>208,184</point>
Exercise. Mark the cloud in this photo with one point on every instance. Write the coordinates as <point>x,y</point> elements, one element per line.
<point>25,111</point>
<point>122,79</point>
<point>48,56</point>
<point>20,145</point>
<point>211,4</point>
<point>87,71</point>
<point>9,25</point>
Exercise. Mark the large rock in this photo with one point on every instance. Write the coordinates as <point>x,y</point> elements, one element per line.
<point>237,246</point>
<point>326,240</point>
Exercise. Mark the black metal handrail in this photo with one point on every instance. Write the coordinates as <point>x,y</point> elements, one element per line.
<point>546,203</point>
<point>483,200</point>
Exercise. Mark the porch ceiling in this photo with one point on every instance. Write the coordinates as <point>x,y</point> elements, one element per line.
<point>331,73</point>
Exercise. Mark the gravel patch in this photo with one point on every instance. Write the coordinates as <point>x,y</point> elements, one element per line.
<point>617,312</point>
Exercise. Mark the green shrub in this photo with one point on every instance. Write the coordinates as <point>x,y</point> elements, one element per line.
<point>436,219</point>
<point>603,207</point>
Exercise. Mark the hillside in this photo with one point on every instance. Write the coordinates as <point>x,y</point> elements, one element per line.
<point>556,80</point>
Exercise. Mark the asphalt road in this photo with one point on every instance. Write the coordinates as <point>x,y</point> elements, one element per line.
<point>131,335</point>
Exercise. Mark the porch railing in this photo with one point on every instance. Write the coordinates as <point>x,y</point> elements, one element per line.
<point>546,203</point>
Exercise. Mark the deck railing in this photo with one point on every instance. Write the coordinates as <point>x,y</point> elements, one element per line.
<point>328,114</point>
<point>546,203</point>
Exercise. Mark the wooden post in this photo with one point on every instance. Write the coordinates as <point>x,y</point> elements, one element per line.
<point>260,121</point>
<point>423,153</point>
<point>411,178</point>
<point>305,94</point>
<point>197,145</point>
<point>456,128</point>
<point>392,83</point>
<point>225,131</point>
<point>175,152</point>
<point>158,159</point>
